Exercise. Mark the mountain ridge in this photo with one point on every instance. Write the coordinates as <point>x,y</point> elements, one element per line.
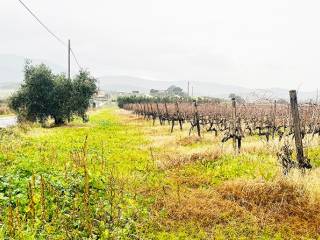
<point>11,69</point>
<point>128,84</point>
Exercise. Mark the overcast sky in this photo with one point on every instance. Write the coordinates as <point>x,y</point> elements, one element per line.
<point>251,43</point>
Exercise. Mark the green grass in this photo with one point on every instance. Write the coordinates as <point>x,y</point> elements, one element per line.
<point>101,180</point>
<point>228,167</point>
<point>111,158</point>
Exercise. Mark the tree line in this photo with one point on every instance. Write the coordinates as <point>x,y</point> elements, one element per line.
<point>45,95</point>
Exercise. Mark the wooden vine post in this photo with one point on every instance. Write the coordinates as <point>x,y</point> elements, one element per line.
<point>140,108</point>
<point>167,113</point>
<point>234,119</point>
<point>144,111</point>
<point>274,118</point>
<point>153,114</point>
<point>196,116</point>
<point>159,113</point>
<point>178,115</point>
<point>297,127</point>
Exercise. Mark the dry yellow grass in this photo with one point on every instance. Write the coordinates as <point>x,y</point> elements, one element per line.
<point>309,180</point>
<point>206,207</point>
<point>4,110</point>
<point>281,204</point>
<point>169,160</point>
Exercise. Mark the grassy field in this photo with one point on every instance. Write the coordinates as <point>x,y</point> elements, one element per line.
<point>119,177</point>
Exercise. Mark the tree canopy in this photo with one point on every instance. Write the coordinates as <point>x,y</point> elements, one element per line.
<point>238,98</point>
<point>172,91</point>
<point>44,95</point>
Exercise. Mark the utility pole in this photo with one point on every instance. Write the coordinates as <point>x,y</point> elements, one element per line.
<point>192,91</point>
<point>188,89</point>
<point>69,53</point>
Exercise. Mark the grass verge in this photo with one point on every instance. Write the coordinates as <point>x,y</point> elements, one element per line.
<point>119,177</point>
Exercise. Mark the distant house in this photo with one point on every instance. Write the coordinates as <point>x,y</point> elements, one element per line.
<point>100,93</point>
<point>99,99</point>
<point>115,94</point>
<point>158,93</point>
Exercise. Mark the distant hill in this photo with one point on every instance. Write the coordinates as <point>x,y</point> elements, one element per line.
<point>11,76</point>
<point>11,70</point>
<point>128,84</point>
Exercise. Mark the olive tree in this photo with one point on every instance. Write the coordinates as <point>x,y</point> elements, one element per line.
<point>45,95</point>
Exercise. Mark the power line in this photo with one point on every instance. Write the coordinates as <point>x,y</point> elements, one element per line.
<point>42,24</point>
<point>49,31</point>
<point>75,58</point>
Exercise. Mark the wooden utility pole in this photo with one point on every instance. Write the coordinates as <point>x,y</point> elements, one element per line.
<point>69,53</point>
<point>296,127</point>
